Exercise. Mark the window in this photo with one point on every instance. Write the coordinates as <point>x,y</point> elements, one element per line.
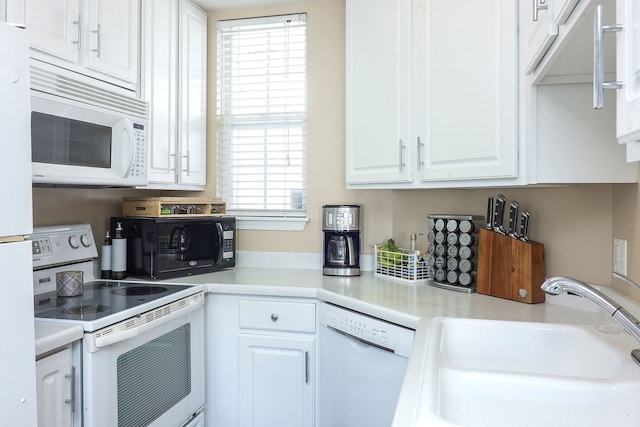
<point>262,117</point>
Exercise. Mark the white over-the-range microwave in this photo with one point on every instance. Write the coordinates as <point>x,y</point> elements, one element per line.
<point>83,134</point>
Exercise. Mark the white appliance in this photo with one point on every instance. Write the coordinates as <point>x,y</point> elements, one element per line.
<point>18,388</point>
<point>83,135</point>
<point>362,365</point>
<point>143,346</point>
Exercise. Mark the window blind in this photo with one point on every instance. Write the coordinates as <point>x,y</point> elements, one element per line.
<point>262,115</point>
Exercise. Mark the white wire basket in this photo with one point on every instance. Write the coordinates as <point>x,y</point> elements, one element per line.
<point>403,266</point>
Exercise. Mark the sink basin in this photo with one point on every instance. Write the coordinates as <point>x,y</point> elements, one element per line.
<point>503,373</point>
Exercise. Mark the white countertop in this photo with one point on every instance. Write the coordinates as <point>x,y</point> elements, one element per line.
<point>403,303</point>
<point>409,304</point>
<point>50,336</point>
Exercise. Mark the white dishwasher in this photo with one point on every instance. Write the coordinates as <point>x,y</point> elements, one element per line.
<point>362,365</point>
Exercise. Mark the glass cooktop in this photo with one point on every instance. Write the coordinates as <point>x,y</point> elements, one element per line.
<point>101,299</point>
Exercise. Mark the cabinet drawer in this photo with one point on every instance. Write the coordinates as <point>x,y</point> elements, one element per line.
<point>278,316</point>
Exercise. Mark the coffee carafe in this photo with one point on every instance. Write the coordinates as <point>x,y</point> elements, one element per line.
<point>341,227</point>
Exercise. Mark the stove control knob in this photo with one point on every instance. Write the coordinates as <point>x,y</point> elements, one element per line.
<point>74,242</point>
<point>85,240</point>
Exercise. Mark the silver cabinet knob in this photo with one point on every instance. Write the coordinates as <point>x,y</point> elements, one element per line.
<point>274,316</point>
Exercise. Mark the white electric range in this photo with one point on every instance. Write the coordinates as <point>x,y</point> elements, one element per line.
<point>143,346</point>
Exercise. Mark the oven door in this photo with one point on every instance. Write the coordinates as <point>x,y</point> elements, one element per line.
<point>154,377</point>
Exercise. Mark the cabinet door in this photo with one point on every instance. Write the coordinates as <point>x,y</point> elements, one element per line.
<point>466,86</point>
<point>539,29</point>
<point>113,38</point>
<point>378,79</point>
<point>54,382</point>
<point>55,26</point>
<point>628,72</point>
<point>193,94</point>
<point>160,86</point>
<point>562,9</point>
<point>276,381</point>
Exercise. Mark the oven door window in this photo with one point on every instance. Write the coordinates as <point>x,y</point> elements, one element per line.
<point>153,377</point>
<point>64,141</point>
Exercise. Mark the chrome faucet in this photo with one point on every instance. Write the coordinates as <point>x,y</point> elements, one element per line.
<point>557,285</point>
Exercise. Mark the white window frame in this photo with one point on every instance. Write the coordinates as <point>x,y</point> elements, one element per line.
<point>231,116</point>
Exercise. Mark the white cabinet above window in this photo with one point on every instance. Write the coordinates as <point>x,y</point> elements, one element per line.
<point>98,38</point>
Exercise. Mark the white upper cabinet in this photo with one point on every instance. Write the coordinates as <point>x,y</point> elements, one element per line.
<point>628,73</point>
<point>97,38</point>
<point>431,103</point>
<point>476,118</point>
<point>192,95</point>
<point>539,29</point>
<point>114,28</point>
<point>378,82</point>
<point>466,105</point>
<point>174,84</point>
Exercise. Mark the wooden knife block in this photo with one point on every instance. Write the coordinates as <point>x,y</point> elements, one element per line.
<point>510,268</point>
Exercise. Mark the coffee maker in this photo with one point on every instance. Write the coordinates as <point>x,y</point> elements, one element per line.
<point>341,227</point>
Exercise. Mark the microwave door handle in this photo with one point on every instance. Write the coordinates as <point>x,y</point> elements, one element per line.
<point>220,242</point>
<point>172,237</point>
<point>128,138</point>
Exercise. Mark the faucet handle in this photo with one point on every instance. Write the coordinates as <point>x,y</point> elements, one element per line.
<point>624,278</point>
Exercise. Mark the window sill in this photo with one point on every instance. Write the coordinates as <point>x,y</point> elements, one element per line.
<point>271,223</point>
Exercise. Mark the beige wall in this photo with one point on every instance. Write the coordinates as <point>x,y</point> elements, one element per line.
<point>576,224</point>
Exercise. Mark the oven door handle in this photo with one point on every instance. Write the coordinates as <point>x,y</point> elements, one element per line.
<point>95,343</point>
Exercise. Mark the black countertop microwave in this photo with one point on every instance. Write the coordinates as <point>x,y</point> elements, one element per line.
<point>163,248</point>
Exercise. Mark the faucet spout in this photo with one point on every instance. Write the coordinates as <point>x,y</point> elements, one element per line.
<point>558,285</point>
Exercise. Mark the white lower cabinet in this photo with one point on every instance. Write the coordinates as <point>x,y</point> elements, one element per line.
<point>276,387</point>
<point>55,389</point>
<point>261,361</point>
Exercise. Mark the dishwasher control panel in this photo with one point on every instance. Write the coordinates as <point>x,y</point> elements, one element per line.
<point>367,329</point>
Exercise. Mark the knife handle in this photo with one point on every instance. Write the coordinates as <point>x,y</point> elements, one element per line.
<point>489,225</point>
<point>513,218</point>
<point>499,214</point>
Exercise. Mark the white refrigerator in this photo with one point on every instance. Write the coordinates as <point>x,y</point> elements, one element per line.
<point>18,405</point>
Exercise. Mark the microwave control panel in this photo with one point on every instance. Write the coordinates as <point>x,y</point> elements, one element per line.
<point>139,165</point>
<point>227,243</point>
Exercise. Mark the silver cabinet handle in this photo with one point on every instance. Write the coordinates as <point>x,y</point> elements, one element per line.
<point>401,155</point>
<point>72,400</point>
<point>306,367</point>
<point>599,85</point>
<point>420,161</point>
<point>188,157</point>
<point>274,317</point>
<point>539,5</point>
<point>97,33</point>
<point>78,24</point>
